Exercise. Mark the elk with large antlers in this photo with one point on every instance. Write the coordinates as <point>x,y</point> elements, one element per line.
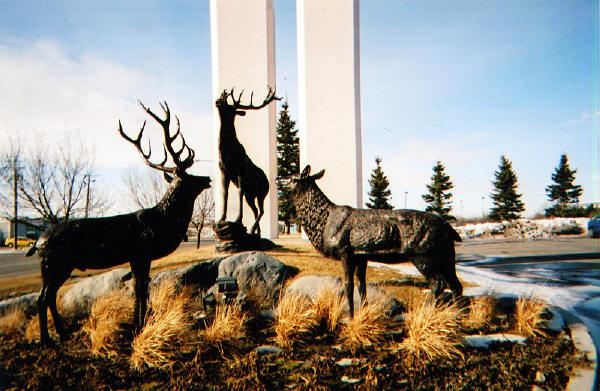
<point>234,163</point>
<point>138,238</point>
<point>390,236</point>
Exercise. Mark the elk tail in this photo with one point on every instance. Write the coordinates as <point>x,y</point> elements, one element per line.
<point>31,251</point>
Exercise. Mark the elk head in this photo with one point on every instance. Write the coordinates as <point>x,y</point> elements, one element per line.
<point>227,112</point>
<point>299,184</point>
<point>178,170</point>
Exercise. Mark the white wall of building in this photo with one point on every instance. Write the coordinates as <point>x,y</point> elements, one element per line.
<point>329,95</point>
<point>243,57</point>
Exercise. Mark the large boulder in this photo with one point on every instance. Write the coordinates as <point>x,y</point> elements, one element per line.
<point>79,297</point>
<point>312,285</point>
<point>202,274</point>
<point>256,273</point>
<point>27,303</point>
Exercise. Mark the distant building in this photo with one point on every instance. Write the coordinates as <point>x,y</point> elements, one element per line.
<point>28,227</point>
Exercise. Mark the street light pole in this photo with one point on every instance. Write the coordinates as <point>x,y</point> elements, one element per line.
<point>405,197</point>
<point>482,211</point>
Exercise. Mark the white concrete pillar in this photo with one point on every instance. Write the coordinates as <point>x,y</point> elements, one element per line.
<point>243,57</point>
<point>329,96</point>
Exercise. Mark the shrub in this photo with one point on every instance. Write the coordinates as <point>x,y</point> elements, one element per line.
<point>166,327</point>
<point>368,325</point>
<point>432,331</point>
<point>227,324</point>
<point>481,311</point>
<point>12,321</point>
<point>104,327</point>
<point>295,318</point>
<point>528,316</point>
<point>328,305</point>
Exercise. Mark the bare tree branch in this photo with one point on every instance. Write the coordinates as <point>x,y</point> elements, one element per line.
<point>204,212</point>
<point>144,188</point>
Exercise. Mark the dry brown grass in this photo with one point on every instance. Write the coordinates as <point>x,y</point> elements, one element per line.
<point>368,325</point>
<point>166,328</point>
<point>432,331</point>
<point>105,323</point>
<point>295,318</point>
<point>13,321</point>
<point>328,306</point>
<point>32,330</point>
<point>528,316</point>
<point>227,325</point>
<point>481,311</point>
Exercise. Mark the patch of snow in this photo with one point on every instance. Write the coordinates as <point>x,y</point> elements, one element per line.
<point>484,341</point>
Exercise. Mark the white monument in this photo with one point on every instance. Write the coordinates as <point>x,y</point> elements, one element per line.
<point>329,96</point>
<point>243,57</point>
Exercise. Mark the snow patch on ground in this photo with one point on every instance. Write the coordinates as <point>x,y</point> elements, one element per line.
<point>524,228</point>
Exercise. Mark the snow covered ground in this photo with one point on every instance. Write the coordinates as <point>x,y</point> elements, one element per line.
<point>529,229</point>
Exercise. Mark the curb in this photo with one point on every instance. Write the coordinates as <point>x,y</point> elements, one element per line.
<point>581,378</point>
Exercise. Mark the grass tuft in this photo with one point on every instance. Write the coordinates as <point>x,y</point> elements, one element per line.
<point>165,330</point>
<point>226,326</point>
<point>432,331</point>
<point>328,305</point>
<point>104,327</point>
<point>528,316</point>
<point>368,325</point>
<point>12,321</point>
<point>481,311</point>
<point>295,318</point>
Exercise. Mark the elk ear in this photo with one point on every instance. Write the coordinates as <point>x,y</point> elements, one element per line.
<point>240,112</point>
<point>168,177</point>
<point>319,175</point>
<point>305,172</point>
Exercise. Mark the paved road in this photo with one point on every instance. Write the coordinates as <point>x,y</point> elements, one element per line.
<point>15,263</point>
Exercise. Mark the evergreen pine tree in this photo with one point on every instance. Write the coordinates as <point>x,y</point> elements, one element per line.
<point>507,203</point>
<point>288,163</point>
<point>563,191</point>
<point>438,199</point>
<point>379,193</point>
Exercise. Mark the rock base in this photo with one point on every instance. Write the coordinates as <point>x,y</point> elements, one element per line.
<point>233,237</point>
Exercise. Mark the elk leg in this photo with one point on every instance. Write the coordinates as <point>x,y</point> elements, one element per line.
<point>241,203</point>
<point>361,274</point>
<point>261,212</point>
<point>225,188</point>
<point>252,206</point>
<point>141,276</point>
<point>349,267</point>
<point>449,271</point>
<point>51,302</point>
<point>42,304</point>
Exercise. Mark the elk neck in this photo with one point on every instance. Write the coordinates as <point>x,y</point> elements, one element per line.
<point>179,199</point>
<point>313,209</point>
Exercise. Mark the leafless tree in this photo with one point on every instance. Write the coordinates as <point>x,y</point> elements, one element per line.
<point>144,188</point>
<point>56,182</point>
<point>204,211</point>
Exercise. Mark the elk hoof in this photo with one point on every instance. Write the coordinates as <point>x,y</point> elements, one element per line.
<point>47,343</point>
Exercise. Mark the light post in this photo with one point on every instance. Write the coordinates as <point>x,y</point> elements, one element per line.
<point>405,197</point>
<point>482,211</point>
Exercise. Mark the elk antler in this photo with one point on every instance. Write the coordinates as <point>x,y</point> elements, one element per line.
<point>236,103</point>
<point>167,145</point>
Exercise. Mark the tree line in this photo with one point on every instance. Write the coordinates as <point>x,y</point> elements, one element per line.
<point>507,204</point>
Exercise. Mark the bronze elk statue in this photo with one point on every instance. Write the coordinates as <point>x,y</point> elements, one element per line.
<point>356,236</point>
<point>138,238</point>
<point>235,164</point>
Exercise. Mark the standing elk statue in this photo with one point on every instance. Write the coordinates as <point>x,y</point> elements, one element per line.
<point>138,238</point>
<point>235,164</point>
<point>390,236</point>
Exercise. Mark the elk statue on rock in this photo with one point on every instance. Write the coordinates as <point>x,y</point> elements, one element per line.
<point>389,236</point>
<point>235,164</point>
<point>138,238</point>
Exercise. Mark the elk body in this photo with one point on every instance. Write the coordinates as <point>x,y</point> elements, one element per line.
<point>356,236</point>
<point>137,238</point>
<point>235,164</point>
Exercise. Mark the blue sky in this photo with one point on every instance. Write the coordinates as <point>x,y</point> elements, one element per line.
<point>463,82</point>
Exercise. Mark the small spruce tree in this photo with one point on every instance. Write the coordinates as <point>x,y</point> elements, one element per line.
<point>507,202</point>
<point>439,197</point>
<point>288,163</point>
<point>379,195</point>
<point>563,192</point>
